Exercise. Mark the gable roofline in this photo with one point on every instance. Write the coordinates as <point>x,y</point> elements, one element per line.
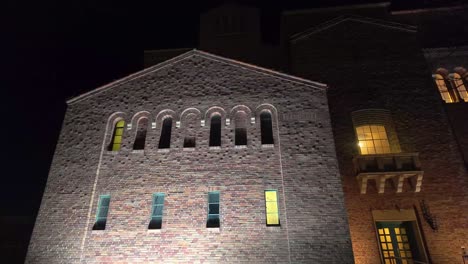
<point>203,54</point>
<point>430,9</point>
<point>333,22</point>
<point>335,8</point>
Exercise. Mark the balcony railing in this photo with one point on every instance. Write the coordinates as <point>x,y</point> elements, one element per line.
<point>394,166</point>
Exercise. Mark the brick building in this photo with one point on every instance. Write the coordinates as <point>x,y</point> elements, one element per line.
<point>203,158</point>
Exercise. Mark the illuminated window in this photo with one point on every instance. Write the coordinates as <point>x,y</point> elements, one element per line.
<point>271,205</point>
<point>398,242</point>
<point>165,139</point>
<point>266,128</point>
<point>213,210</point>
<point>117,137</point>
<point>442,86</point>
<point>460,86</point>
<point>215,131</point>
<point>102,211</point>
<point>241,128</point>
<point>140,138</point>
<point>157,211</point>
<point>373,139</point>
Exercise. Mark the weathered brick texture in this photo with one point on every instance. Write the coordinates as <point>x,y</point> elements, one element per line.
<point>301,165</point>
<point>370,65</point>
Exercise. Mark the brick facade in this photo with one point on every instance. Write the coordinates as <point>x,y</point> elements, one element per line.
<point>371,64</point>
<point>367,60</point>
<point>301,165</point>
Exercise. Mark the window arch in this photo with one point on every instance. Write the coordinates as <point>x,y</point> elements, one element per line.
<point>140,137</point>
<point>117,135</point>
<point>215,130</point>
<point>166,129</point>
<point>240,128</point>
<point>443,89</point>
<point>460,86</point>
<point>266,128</point>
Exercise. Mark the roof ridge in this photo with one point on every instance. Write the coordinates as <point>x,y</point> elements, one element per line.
<point>332,22</point>
<point>207,55</point>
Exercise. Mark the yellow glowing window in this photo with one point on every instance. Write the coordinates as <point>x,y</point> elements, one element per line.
<point>117,137</point>
<point>394,244</point>
<point>460,86</point>
<point>442,86</point>
<point>271,204</point>
<point>372,139</point>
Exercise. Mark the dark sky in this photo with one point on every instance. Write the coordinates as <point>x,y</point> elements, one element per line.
<point>54,50</point>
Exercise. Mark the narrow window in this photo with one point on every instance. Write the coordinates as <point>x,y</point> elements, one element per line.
<point>460,86</point>
<point>117,136</point>
<point>215,131</point>
<point>241,129</point>
<point>140,138</point>
<point>399,242</point>
<point>373,139</point>
<point>101,214</point>
<point>165,139</point>
<point>157,211</point>
<point>213,210</point>
<point>266,128</point>
<point>271,205</point>
<point>442,86</point>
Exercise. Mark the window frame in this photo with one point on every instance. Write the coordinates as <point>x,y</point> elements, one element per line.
<point>217,222</point>
<point>266,128</point>
<point>113,146</point>
<point>215,132</point>
<point>443,88</point>
<point>167,133</point>
<point>277,208</point>
<point>382,148</point>
<point>101,221</point>
<point>154,223</point>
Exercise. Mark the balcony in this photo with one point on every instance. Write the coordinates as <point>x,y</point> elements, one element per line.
<point>394,166</point>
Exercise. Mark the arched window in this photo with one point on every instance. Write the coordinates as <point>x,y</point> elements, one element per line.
<point>266,128</point>
<point>241,128</point>
<point>442,86</point>
<point>460,86</point>
<point>116,142</point>
<point>140,138</point>
<point>215,131</point>
<point>166,129</point>
<point>372,139</point>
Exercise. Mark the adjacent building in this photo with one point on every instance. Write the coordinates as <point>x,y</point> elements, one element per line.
<point>361,158</point>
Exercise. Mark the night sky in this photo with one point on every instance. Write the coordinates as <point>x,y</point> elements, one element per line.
<point>55,50</point>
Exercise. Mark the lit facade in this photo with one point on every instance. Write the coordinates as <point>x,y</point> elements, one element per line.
<point>201,158</point>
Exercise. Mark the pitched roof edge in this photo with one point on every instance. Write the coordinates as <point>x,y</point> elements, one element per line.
<point>200,53</point>
<point>260,69</point>
<point>339,7</point>
<point>132,76</point>
<point>429,9</point>
<point>333,22</point>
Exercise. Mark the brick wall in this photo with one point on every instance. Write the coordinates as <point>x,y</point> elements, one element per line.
<point>371,66</point>
<point>301,165</point>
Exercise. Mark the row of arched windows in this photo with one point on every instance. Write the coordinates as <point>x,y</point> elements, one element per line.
<point>240,120</point>
<point>452,86</point>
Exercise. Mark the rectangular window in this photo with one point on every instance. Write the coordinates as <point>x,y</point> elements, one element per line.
<point>399,242</point>
<point>102,211</point>
<point>157,211</point>
<point>213,210</point>
<point>373,139</point>
<point>271,205</point>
